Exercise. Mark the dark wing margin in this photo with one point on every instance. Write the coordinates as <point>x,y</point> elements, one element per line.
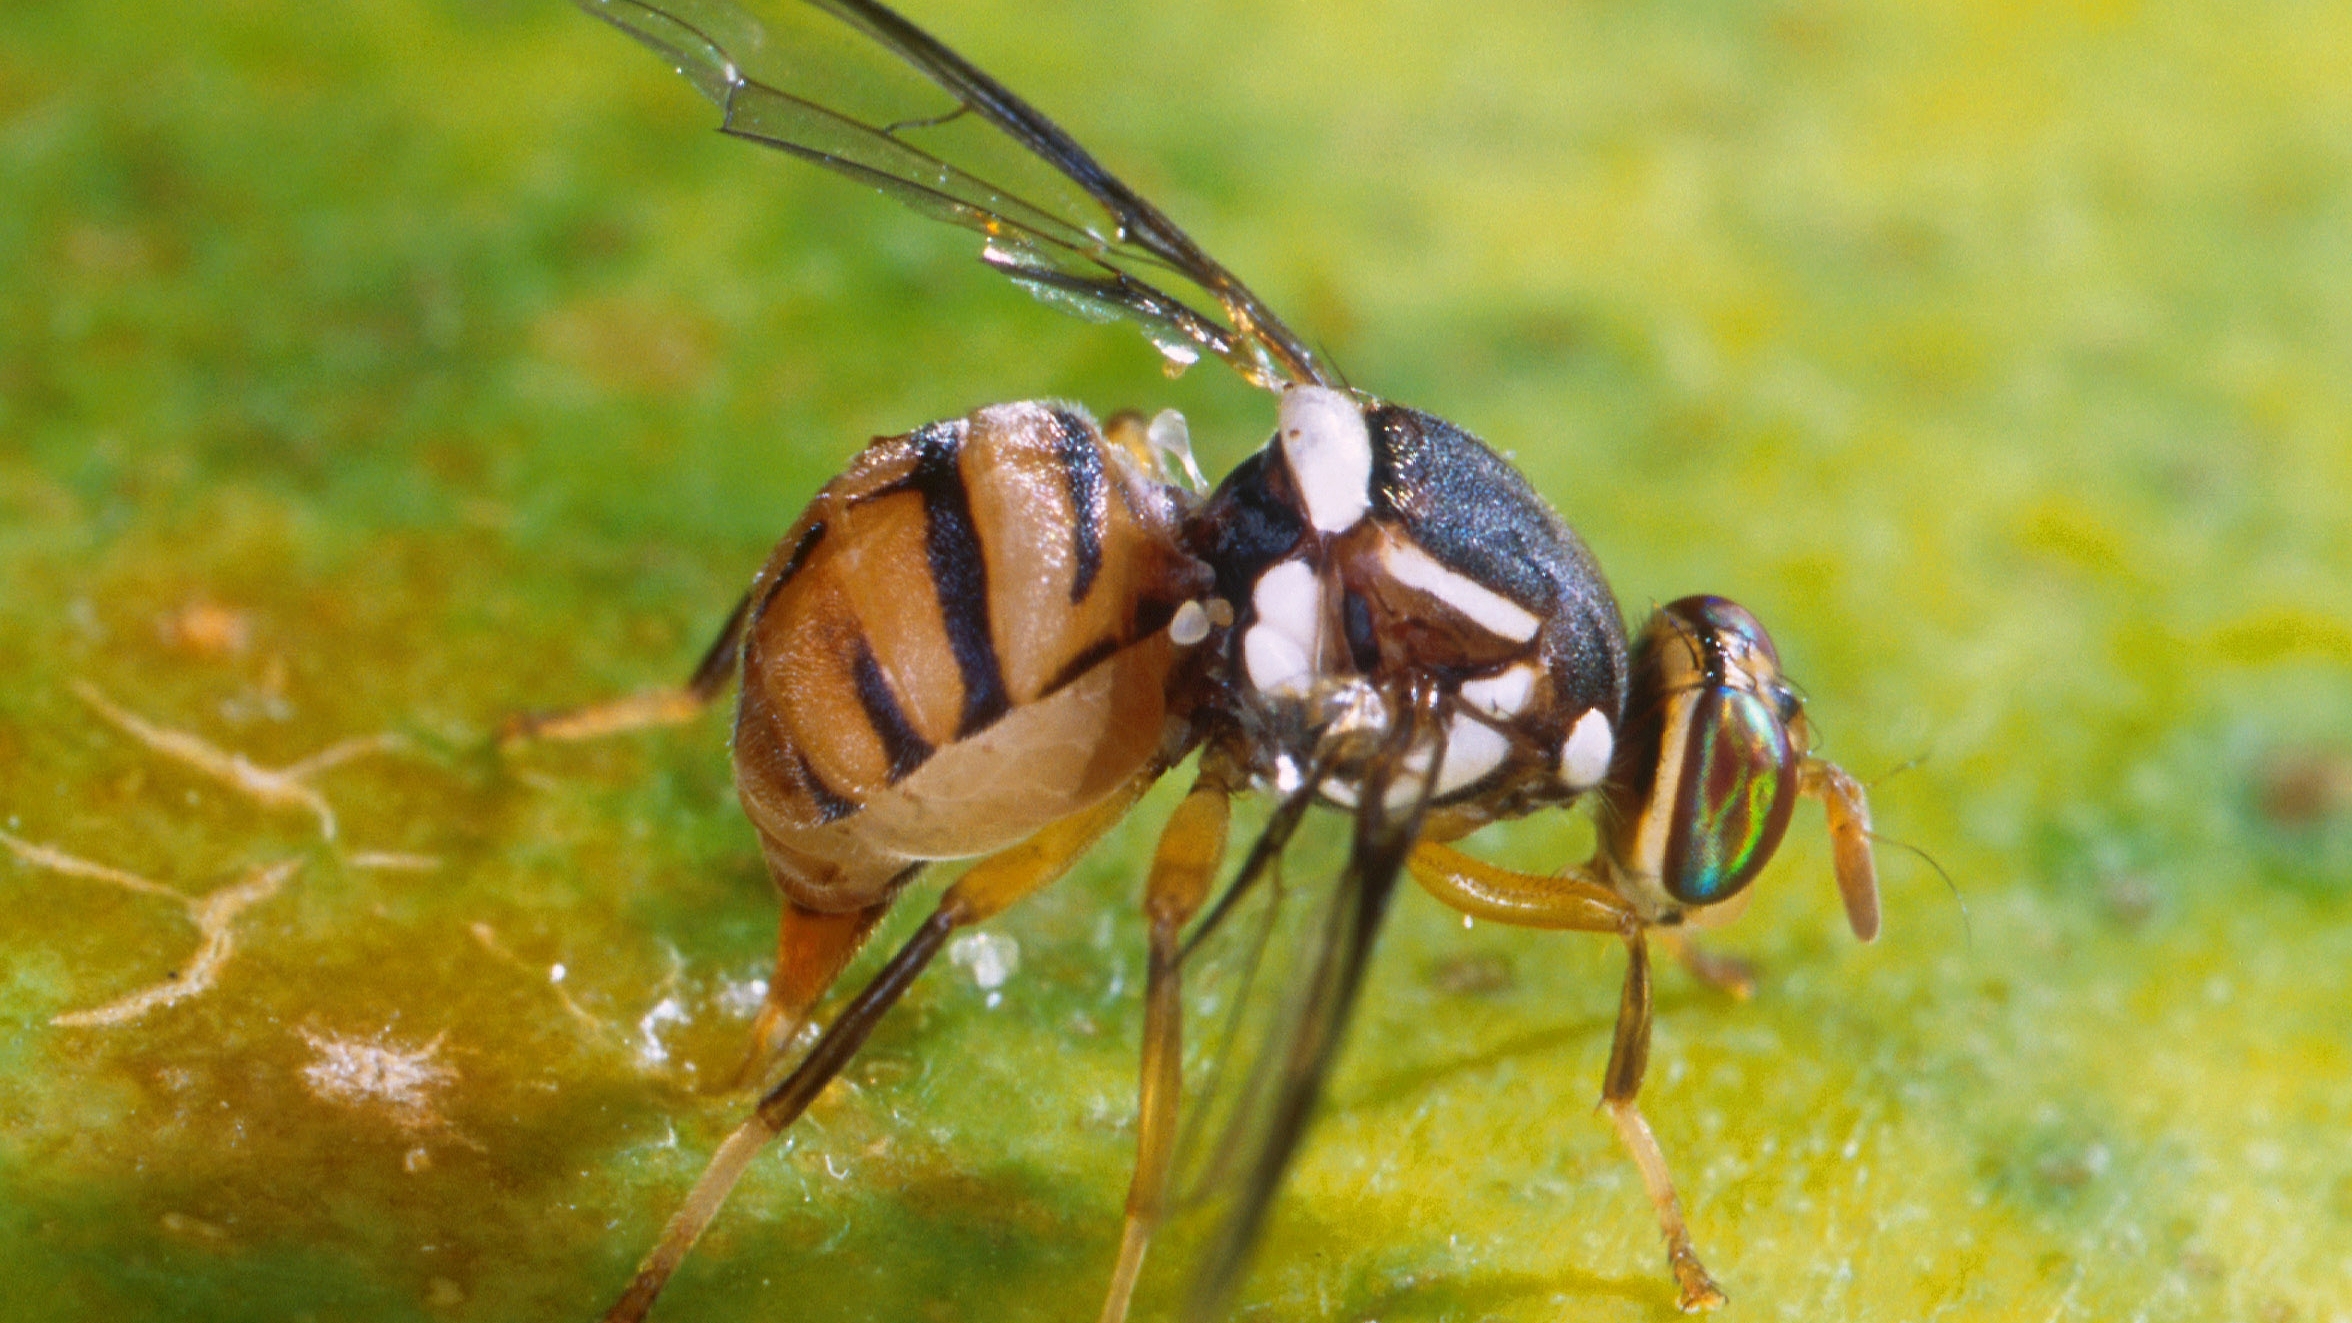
<point>1086,252</point>
<point>1254,1145</point>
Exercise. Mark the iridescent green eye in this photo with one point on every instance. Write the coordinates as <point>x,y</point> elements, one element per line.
<point>1735,787</point>
<point>1710,775</point>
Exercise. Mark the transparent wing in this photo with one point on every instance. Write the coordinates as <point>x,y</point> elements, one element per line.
<point>1246,1127</point>
<point>1223,959</point>
<point>950,142</point>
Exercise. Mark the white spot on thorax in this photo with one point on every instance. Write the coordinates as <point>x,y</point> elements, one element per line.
<point>1490,610</point>
<point>1502,696</point>
<point>1281,647</point>
<point>1584,758</point>
<point>1330,454</point>
<point>1473,749</point>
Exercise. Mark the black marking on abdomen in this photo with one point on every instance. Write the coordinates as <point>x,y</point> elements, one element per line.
<point>802,549</point>
<point>1082,469</point>
<point>831,807</point>
<point>901,743</point>
<point>1095,654</point>
<point>959,573</point>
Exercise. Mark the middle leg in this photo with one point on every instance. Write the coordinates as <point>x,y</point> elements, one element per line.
<point>1629,1058</point>
<point>1191,847</point>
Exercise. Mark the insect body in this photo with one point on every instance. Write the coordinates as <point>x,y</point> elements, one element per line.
<point>990,635</point>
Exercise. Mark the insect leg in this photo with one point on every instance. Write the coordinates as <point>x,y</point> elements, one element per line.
<point>1524,900</point>
<point>984,891</point>
<point>1629,1056</point>
<point>1849,837</point>
<point>1527,900</point>
<point>1576,903</point>
<point>638,711</point>
<point>1724,973</point>
<point>812,948</point>
<point>1191,847</point>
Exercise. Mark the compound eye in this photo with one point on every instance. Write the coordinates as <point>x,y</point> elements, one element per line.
<point>1726,625</point>
<point>1734,787</point>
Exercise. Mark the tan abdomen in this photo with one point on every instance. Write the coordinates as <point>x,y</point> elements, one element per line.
<point>962,640</point>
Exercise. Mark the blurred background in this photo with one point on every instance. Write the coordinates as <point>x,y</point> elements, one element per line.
<point>370,371</point>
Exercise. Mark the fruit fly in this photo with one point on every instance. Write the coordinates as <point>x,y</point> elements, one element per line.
<point>991,634</point>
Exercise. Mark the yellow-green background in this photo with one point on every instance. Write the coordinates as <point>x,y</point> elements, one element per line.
<point>1996,355</point>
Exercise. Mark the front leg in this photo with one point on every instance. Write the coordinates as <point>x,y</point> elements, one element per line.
<point>1629,1058</point>
<point>1579,902</point>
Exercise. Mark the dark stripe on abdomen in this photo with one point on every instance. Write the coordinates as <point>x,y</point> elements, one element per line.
<point>905,748</point>
<point>831,807</point>
<point>1082,469</point>
<point>801,551</point>
<point>959,574</point>
<point>1095,654</point>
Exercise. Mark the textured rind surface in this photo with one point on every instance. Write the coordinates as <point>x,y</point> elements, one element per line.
<point>386,367</point>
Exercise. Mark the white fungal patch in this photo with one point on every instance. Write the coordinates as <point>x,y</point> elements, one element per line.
<point>1501,696</point>
<point>402,1083</point>
<point>1330,454</point>
<point>1473,749</point>
<point>1280,649</point>
<point>742,998</point>
<point>1584,757</point>
<point>992,958</point>
<point>1490,610</point>
<point>1190,625</point>
<point>652,1052</point>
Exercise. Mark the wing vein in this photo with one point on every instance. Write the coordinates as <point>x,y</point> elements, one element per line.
<point>1084,253</point>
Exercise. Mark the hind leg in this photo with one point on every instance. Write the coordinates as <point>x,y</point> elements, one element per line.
<point>812,948</point>
<point>638,711</point>
<point>984,891</point>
